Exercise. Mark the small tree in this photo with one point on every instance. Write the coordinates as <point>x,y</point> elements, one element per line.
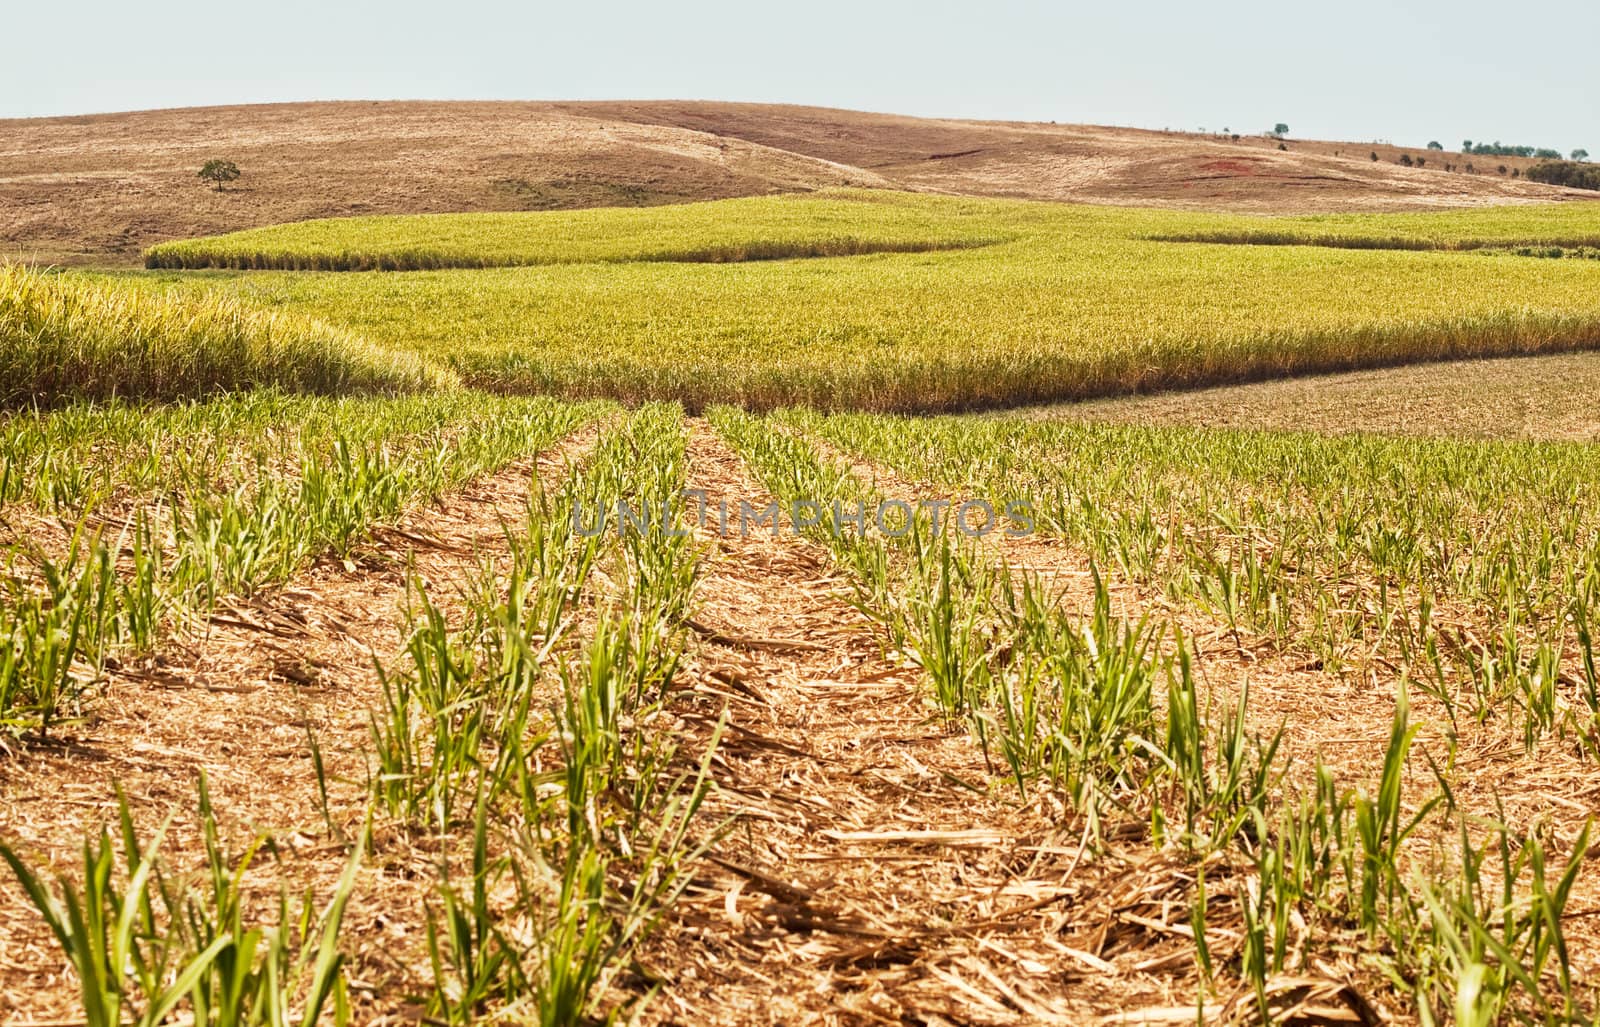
<point>219,171</point>
<point>1466,146</point>
<point>1280,130</point>
<point>1436,145</point>
<point>1580,155</point>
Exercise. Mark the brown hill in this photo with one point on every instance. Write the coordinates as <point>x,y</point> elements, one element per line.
<point>99,188</point>
<point>1096,164</point>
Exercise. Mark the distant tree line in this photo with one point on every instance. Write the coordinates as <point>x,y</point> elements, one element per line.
<point>1572,174</point>
<point>1499,149</point>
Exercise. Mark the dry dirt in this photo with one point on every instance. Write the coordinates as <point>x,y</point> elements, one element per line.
<point>97,189</point>
<point>1100,164</point>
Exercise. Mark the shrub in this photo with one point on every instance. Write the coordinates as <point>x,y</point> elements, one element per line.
<point>1435,145</point>
<point>1499,149</point>
<point>1568,173</point>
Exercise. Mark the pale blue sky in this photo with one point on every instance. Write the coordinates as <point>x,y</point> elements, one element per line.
<point>1404,70</point>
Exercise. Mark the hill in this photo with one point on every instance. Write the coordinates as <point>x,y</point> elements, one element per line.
<point>99,188</point>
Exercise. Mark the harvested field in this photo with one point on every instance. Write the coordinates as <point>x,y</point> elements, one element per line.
<point>1532,398</point>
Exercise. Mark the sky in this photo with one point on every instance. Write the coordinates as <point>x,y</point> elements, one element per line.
<point>1406,71</point>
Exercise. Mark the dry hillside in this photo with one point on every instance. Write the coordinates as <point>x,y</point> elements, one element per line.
<point>99,188</point>
<point>1099,164</point>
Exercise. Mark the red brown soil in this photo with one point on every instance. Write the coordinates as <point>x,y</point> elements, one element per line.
<point>1230,167</point>
<point>99,188</point>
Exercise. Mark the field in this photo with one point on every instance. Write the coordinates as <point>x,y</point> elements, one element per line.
<point>1012,303</point>
<point>1529,398</point>
<point>601,620</point>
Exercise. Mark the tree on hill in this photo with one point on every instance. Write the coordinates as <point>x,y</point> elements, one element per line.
<point>1435,145</point>
<point>1580,155</point>
<point>219,171</point>
<point>1279,130</point>
<point>1571,174</point>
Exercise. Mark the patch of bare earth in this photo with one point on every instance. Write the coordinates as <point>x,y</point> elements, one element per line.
<point>1105,164</point>
<point>235,698</point>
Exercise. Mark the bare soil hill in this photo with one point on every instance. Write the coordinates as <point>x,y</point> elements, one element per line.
<point>103,187</point>
<point>99,188</point>
<point>1098,164</point>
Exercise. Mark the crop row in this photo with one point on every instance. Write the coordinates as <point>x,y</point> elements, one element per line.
<point>1455,916</point>
<point>528,739</point>
<point>1475,566</point>
<point>200,529</point>
<point>516,736</point>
